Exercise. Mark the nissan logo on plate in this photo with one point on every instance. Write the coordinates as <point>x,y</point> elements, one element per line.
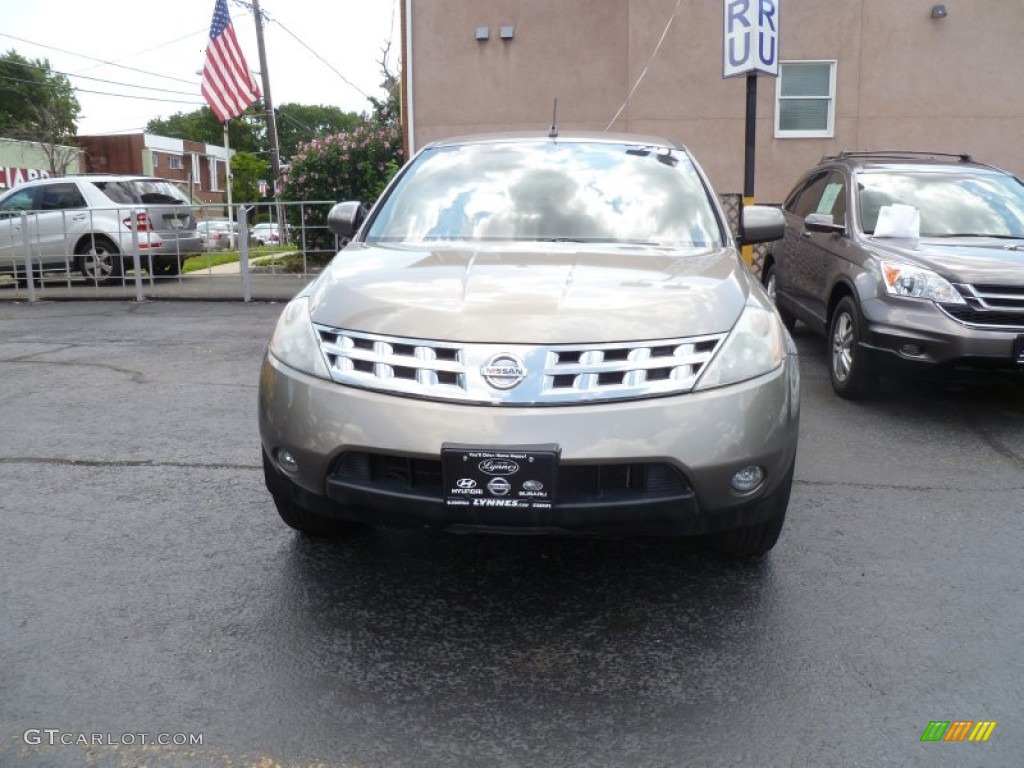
<point>499,486</point>
<point>503,371</point>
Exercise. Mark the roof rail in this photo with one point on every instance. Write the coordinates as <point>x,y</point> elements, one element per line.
<point>963,157</point>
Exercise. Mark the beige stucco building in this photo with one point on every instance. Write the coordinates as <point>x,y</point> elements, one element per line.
<point>854,74</point>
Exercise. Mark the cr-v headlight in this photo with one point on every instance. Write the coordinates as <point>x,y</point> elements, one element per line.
<point>755,346</point>
<point>919,283</point>
<point>294,342</point>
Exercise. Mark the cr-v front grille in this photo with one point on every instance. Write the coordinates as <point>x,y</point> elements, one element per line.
<point>989,306</point>
<point>515,374</point>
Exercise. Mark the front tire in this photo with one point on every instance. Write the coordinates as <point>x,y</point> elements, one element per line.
<point>100,261</point>
<point>298,517</point>
<point>756,540</point>
<point>848,366</point>
<point>770,281</point>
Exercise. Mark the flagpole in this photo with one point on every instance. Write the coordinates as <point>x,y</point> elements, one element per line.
<point>227,176</point>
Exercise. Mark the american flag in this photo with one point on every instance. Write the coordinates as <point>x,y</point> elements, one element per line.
<point>228,85</point>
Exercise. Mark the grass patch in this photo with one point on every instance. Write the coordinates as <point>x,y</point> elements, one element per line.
<point>207,260</point>
<point>215,258</point>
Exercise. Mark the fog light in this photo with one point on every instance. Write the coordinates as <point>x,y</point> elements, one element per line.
<point>286,461</point>
<point>910,350</point>
<point>747,479</point>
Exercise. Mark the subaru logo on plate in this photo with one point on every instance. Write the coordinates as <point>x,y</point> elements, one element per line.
<point>503,371</point>
<point>533,485</point>
<point>466,482</point>
<point>499,486</point>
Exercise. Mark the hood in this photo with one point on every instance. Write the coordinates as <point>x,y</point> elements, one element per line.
<point>974,260</point>
<point>547,293</point>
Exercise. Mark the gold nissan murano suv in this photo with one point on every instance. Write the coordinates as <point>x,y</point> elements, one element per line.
<point>537,333</point>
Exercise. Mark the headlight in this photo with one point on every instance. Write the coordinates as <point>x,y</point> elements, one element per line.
<point>294,342</point>
<point>918,283</point>
<point>755,346</point>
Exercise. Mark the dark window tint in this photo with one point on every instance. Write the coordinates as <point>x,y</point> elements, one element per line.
<point>804,200</point>
<point>22,200</point>
<point>60,197</point>
<point>142,192</point>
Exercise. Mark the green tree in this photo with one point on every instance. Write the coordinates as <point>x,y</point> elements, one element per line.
<point>246,171</point>
<point>245,133</point>
<point>300,123</point>
<point>351,165</point>
<point>36,104</point>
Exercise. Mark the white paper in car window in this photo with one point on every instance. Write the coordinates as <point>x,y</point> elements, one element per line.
<point>898,220</point>
<point>828,199</point>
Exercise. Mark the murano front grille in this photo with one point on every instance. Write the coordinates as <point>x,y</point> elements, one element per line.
<point>989,306</point>
<point>516,374</point>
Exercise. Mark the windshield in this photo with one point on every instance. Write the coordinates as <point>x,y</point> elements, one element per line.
<point>966,204</point>
<point>550,191</point>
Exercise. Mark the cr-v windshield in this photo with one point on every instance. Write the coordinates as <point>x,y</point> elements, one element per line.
<point>965,204</point>
<point>550,191</point>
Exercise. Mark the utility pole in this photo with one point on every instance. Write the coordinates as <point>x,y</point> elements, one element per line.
<point>275,152</point>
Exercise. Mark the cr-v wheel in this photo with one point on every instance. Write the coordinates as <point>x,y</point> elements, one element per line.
<point>770,280</point>
<point>847,364</point>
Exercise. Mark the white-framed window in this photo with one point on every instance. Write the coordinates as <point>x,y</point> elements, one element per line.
<point>174,162</point>
<point>197,176</point>
<point>214,175</point>
<point>805,100</point>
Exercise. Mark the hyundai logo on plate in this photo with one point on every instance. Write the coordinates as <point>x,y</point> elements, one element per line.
<point>466,482</point>
<point>503,371</point>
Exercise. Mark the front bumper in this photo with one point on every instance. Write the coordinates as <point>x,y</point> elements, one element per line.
<point>678,453</point>
<point>910,335</point>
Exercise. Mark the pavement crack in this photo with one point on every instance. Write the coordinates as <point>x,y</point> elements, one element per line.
<point>137,377</point>
<point>50,461</point>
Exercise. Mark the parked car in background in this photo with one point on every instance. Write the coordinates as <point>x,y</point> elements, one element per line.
<point>531,334</point>
<point>905,261</point>
<point>86,222</point>
<point>218,234</point>
<point>265,234</point>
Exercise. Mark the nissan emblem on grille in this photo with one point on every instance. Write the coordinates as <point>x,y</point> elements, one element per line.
<point>503,371</point>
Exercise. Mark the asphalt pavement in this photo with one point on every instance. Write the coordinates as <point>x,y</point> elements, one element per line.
<point>147,586</point>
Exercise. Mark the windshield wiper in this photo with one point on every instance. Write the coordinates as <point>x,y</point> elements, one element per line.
<point>976,234</point>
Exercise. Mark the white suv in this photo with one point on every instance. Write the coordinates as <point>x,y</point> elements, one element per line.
<point>86,223</point>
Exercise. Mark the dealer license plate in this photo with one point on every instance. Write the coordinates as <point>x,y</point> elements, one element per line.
<point>521,476</point>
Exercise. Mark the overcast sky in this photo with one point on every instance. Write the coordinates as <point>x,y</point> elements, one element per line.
<point>318,52</point>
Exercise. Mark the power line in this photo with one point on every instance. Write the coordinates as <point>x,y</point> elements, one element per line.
<point>329,65</point>
<point>99,80</point>
<point>101,61</point>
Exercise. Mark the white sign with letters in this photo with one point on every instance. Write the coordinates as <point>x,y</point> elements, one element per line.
<point>751,39</point>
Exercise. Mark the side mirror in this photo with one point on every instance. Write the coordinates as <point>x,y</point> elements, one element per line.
<point>761,224</point>
<point>345,219</point>
<point>823,222</point>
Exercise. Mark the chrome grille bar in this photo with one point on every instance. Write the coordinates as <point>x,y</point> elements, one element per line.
<point>560,374</point>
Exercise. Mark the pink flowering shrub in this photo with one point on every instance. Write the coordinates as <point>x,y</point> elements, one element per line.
<point>346,166</point>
